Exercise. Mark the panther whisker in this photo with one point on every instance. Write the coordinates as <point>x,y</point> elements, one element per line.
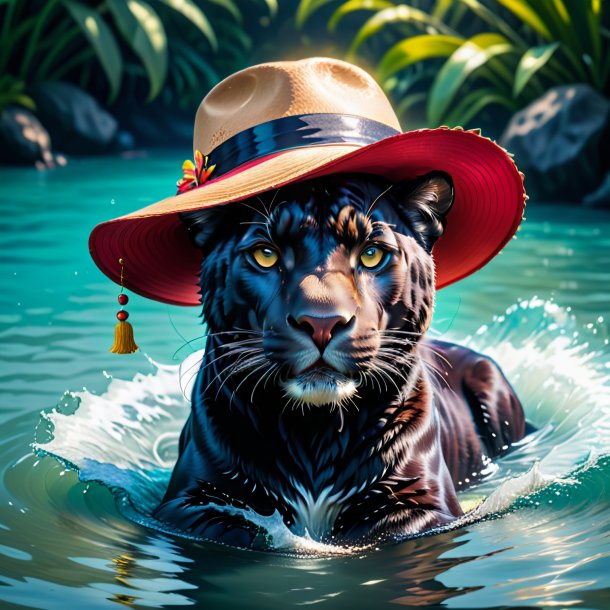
<point>370,210</point>
<point>267,374</point>
<point>258,368</point>
<point>375,368</point>
<point>232,352</point>
<point>234,332</point>
<point>439,355</point>
<point>277,192</point>
<point>399,332</point>
<point>244,365</point>
<point>266,216</point>
<point>430,367</point>
<point>227,368</point>
<point>206,335</point>
<point>384,369</point>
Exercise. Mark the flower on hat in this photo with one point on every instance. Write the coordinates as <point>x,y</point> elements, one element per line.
<point>194,174</point>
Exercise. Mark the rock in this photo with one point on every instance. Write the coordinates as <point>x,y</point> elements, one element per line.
<point>76,122</point>
<point>560,144</point>
<point>157,124</point>
<point>599,198</point>
<point>23,139</point>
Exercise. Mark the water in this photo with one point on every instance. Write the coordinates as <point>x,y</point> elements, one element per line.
<point>539,539</point>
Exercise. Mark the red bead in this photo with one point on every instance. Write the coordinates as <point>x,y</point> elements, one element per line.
<point>122,315</point>
<point>123,299</point>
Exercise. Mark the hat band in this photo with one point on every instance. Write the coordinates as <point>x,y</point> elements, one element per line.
<point>296,131</point>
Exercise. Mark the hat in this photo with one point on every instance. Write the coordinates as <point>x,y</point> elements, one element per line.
<point>278,123</point>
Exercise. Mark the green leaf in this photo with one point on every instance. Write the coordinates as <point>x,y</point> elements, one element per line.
<point>528,15</point>
<point>474,102</point>
<point>199,64</point>
<point>494,20</point>
<point>398,14</point>
<point>272,5</point>
<point>441,7</point>
<point>470,56</point>
<point>230,7</point>
<point>10,99</point>
<point>190,11</point>
<point>307,8</point>
<point>102,41</point>
<point>416,49</point>
<point>410,100</point>
<point>353,6</point>
<point>142,29</point>
<point>532,61</point>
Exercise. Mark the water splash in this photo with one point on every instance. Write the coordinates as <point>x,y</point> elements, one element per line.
<point>127,437</point>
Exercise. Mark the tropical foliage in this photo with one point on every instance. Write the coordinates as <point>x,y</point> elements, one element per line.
<point>459,56</point>
<point>131,41</point>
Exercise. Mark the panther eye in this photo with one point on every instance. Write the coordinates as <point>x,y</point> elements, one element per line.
<point>372,257</point>
<point>265,257</point>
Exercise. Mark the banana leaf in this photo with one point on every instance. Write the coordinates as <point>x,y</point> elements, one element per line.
<point>413,50</point>
<point>143,31</point>
<point>474,102</point>
<point>398,14</point>
<point>528,15</point>
<point>464,62</point>
<point>190,11</point>
<point>102,42</point>
<point>356,5</point>
<point>307,8</point>
<point>229,6</point>
<point>531,61</point>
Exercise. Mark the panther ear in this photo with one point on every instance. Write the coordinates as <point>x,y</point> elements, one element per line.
<point>424,204</point>
<point>203,224</point>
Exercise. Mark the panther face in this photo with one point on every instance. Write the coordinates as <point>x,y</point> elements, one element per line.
<point>323,287</point>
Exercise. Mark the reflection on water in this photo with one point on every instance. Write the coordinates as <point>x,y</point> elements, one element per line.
<point>66,542</point>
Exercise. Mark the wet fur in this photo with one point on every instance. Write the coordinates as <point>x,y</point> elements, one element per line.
<point>385,461</point>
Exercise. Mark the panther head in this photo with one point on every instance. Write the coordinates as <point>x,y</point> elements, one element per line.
<point>322,286</point>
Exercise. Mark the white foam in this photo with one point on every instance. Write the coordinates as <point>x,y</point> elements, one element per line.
<point>127,437</point>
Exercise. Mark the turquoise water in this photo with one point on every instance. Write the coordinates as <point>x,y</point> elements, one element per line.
<point>540,539</point>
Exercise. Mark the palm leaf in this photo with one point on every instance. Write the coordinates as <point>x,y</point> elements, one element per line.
<point>102,42</point>
<point>190,11</point>
<point>353,6</point>
<point>416,49</point>
<point>230,7</point>
<point>307,8</point>
<point>467,59</point>
<point>410,100</point>
<point>528,15</point>
<point>441,7</point>
<point>142,29</point>
<point>474,102</point>
<point>397,14</point>
<point>494,20</point>
<point>531,61</point>
<point>272,5</point>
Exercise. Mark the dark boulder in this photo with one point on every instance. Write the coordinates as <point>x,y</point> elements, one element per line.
<point>75,120</point>
<point>157,124</point>
<point>23,139</point>
<point>560,143</point>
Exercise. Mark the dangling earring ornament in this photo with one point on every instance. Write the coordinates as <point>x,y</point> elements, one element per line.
<point>123,331</point>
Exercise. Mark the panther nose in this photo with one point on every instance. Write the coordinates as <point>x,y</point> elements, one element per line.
<point>321,330</point>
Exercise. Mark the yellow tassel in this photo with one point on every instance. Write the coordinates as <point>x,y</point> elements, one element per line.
<point>123,339</point>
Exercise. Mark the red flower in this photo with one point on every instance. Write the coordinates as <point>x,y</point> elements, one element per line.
<point>194,174</point>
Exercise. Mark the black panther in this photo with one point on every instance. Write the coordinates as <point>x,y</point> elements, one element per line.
<point>318,396</point>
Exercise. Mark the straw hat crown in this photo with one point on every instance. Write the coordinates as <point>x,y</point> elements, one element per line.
<point>262,93</point>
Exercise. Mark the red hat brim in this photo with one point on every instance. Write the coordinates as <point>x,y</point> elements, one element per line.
<point>161,263</point>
